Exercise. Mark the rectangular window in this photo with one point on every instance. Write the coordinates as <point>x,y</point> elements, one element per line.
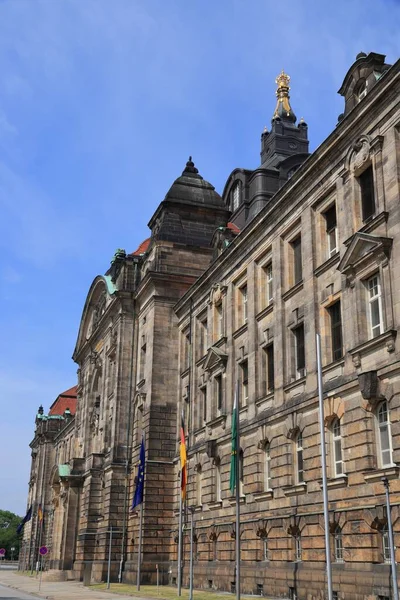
<point>331,230</point>
<point>366,181</point>
<point>218,321</point>
<point>218,482</point>
<point>336,330</point>
<point>203,392</point>
<point>244,396</point>
<point>218,391</point>
<point>375,305</point>
<point>269,294</point>
<point>202,337</point>
<point>243,293</point>
<point>297,260</point>
<point>299,352</point>
<point>299,459</point>
<point>270,378</point>
<point>236,196</point>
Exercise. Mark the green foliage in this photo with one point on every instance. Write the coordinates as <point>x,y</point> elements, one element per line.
<point>8,532</point>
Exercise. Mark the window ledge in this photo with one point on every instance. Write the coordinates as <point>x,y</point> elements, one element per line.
<point>239,331</point>
<point>391,472</point>
<point>374,222</point>
<point>260,496</point>
<point>220,341</point>
<point>215,504</point>
<point>333,365</point>
<point>265,311</point>
<point>387,338</point>
<point>336,482</point>
<point>232,500</point>
<point>292,291</point>
<point>327,264</point>
<point>293,490</point>
<point>184,372</point>
<point>265,398</point>
<point>197,508</point>
<point>294,383</point>
<point>220,420</point>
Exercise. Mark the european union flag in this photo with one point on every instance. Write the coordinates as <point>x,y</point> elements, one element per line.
<point>26,518</point>
<point>138,497</point>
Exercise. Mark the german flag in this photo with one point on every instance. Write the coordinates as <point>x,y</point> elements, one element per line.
<point>183,460</point>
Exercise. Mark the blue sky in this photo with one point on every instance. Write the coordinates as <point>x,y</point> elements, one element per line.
<point>101,102</point>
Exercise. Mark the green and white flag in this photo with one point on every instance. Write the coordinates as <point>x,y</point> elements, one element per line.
<point>234,450</point>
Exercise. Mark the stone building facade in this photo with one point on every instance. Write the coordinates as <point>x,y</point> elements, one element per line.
<point>229,289</point>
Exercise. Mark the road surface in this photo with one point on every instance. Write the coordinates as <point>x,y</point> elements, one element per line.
<point>9,594</point>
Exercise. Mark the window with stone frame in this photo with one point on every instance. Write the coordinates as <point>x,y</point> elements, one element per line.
<point>332,241</point>
<point>337,451</point>
<point>244,383</point>
<point>384,436</point>
<point>203,405</point>
<point>217,474</point>
<point>299,354</point>
<point>218,392</point>
<point>202,329</point>
<point>269,368</point>
<point>268,281</point>
<point>218,321</point>
<point>199,485</point>
<point>385,544</point>
<point>267,466</point>
<point>242,304</point>
<point>241,472</point>
<point>295,261</point>
<point>297,546</point>
<point>142,362</point>
<point>338,544</point>
<point>299,462</point>
<point>374,302</point>
<point>367,193</point>
<point>336,338</point>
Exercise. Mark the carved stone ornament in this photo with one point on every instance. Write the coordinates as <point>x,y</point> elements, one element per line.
<point>217,293</point>
<point>361,153</point>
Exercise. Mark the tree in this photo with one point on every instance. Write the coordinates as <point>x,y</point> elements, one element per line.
<point>8,532</point>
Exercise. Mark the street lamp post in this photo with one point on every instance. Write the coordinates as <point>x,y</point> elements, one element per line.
<point>12,553</point>
<point>385,482</point>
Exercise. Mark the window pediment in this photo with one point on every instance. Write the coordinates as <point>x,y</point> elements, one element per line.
<point>362,247</point>
<point>215,357</point>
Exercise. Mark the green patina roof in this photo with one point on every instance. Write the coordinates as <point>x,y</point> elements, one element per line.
<point>111,287</point>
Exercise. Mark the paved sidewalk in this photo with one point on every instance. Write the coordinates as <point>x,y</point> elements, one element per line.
<point>56,590</point>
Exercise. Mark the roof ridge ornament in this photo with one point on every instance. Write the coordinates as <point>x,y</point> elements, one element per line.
<point>283,110</point>
<point>190,168</point>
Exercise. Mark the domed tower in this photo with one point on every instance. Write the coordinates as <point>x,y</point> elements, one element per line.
<point>179,252</point>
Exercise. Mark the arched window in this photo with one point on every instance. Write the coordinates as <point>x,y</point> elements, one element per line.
<point>337,448</point>
<point>267,467</point>
<point>297,546</point>
<point>385,544</point>
<point>361,90</point>
<point>338,544</point>
<point>384,435</point>
<point>299,458</point>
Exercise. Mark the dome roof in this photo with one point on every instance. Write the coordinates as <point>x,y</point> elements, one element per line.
<point>191,188</point>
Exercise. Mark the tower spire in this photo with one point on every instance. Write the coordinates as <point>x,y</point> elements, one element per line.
<point>283,110</point>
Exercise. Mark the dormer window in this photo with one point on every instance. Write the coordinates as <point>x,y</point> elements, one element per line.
<point>361,90</point>
<point>235,196</point>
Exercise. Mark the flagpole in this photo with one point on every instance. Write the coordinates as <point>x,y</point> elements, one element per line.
<point>180,542</point>
<point>139,560</point>
<point>323,465</point>
<point>237,466</point>
<point>191,555</point>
